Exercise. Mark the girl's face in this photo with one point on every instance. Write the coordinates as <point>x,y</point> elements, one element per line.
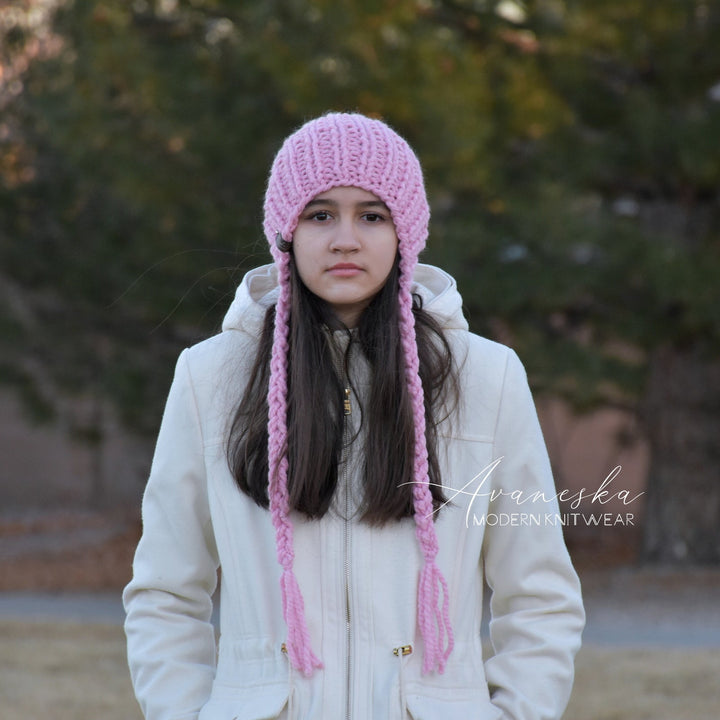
<point>344,248</point>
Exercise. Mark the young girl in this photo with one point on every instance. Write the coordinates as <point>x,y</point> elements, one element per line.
<point>354,460</point>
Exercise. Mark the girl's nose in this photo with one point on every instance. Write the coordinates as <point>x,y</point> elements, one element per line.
<point>345,239</point>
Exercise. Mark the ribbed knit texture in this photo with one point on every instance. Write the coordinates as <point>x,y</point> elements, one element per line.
<point>351,150</point>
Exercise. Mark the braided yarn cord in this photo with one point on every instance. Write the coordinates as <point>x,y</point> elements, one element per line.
<point>433,620</point>
<point>298,642</point>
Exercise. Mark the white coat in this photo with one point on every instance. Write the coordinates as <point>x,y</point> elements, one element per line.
<point>359,583</point>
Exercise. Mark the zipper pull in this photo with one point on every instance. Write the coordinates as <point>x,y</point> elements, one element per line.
<point>347,408</point>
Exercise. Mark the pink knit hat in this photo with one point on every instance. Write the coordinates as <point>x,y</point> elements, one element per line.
<point>343,150</point>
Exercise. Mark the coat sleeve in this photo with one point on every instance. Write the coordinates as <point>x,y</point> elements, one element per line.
<point>537,615</point>
<point>171,641</point>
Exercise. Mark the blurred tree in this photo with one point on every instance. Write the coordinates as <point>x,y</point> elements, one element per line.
<point>144,143</point>
<point>642,82</point>
<point>577,142</point>
<point>569,150</point>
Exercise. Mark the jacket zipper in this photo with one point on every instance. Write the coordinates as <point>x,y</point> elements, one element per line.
<point>344,459</point>
<point>347,410</point>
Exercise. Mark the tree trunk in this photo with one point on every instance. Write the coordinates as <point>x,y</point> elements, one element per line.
<point>682,416</point>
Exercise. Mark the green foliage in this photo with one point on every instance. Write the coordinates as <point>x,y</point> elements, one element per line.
<point>569,147</point>
<point>37,407</point>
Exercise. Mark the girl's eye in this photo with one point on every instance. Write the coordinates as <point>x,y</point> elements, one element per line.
<point>321,215</point>
<point>374,217</point>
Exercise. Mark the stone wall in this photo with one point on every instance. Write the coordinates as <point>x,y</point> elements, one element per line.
<point>43,466</point>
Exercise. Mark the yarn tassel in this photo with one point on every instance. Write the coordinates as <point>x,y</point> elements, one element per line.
<point>298,642</point>
<point>434,621</point>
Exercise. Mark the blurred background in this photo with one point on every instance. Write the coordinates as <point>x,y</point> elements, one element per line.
<point>572,162</point>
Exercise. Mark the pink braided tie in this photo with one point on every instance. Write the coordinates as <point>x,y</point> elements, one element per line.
<point>433,620</point>
<point>298,642</point>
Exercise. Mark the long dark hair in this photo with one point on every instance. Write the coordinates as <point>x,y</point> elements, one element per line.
<point>315,406</point>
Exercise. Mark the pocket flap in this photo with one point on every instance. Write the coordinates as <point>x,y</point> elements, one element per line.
<point>260,703</point>
<point>457,705</point>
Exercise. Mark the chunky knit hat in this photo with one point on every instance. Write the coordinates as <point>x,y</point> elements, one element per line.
<point>342,150</point>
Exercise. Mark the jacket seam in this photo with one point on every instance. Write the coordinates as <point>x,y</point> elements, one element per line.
<point>208,522</point>
<point>500,402</point>
<point>191,385</point>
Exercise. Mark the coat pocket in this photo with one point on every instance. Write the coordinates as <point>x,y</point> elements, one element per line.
<point>451,704</point>
<point>264,702</point>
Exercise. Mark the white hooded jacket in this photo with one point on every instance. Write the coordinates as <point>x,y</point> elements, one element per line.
<point>359,583</point>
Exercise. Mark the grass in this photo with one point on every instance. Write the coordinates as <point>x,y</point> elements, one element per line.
<point>64,671</point>
<point>78,672</point>
<point>657,684</point>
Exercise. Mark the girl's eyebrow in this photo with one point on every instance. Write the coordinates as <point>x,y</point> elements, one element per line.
<point>364,204</point>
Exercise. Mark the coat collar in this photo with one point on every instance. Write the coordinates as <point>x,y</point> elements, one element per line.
<point>259,290</point>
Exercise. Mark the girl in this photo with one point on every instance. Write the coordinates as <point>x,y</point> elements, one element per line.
<point>345,451</point>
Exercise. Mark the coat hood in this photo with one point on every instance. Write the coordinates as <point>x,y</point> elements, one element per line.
<point>259,290</point>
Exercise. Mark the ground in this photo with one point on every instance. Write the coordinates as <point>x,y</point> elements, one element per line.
<point>651,648</point>
<point>67,550</point>
<point>71,550</point>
